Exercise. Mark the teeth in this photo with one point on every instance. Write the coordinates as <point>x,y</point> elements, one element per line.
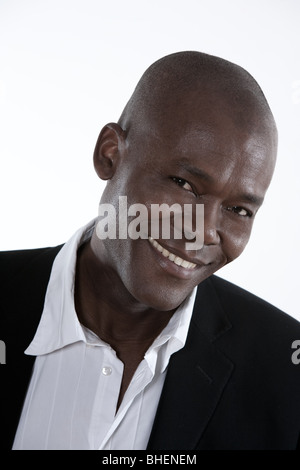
<point>176,259</point>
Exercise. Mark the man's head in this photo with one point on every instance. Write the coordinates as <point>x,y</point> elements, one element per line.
<point>197,130</point>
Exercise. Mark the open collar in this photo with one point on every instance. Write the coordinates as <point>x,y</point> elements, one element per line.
<point>59,324</point>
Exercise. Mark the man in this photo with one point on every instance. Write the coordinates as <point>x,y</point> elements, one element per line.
<point>133,343</point>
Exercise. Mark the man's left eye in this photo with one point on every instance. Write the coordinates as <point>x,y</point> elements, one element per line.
<point>241,211</point>
<point>182,183</point>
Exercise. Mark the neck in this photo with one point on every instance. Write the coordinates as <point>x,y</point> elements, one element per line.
<point>113,314</point>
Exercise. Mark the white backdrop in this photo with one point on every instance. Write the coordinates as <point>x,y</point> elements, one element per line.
<point>69,66</point>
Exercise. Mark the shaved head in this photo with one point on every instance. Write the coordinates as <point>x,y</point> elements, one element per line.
<point>168,82</point>
<point>196,130</point>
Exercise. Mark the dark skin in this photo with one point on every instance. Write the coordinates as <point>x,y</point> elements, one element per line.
<point>126,291</point>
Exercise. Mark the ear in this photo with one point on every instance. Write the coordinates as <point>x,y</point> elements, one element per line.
<point>109,150</point>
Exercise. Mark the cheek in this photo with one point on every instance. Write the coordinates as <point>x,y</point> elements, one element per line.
<point>234,242</point>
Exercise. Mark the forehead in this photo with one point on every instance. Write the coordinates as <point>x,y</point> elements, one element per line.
<point>225,146</point>
<point>177,119</point>
<point>210,129</point>
<point>210,139</point>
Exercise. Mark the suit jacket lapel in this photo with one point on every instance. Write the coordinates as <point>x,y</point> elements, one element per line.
<point>196,378</point>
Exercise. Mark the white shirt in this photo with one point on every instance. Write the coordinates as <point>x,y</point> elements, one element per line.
<point>73,393</point>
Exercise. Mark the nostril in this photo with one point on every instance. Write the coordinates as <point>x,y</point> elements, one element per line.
<point>211,236</point>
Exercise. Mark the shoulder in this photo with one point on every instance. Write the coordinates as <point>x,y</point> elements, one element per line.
<point>261,343</point>
<point>243,306</point>
<point>24,276</point>
<point>248,329</point>
<point>19,263</point>
<point>259,334</point>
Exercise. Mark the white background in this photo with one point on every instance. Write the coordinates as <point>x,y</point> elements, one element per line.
<point>68,67</point>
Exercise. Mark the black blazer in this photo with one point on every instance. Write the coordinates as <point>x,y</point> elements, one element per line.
<point>233,385</point>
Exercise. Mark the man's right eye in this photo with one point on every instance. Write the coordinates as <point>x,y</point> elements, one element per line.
<point>183,183</point>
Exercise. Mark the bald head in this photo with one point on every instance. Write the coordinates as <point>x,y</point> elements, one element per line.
<point>165,86</point>
<point>197,130</point>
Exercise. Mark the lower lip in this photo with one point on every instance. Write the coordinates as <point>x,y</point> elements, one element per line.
<point>172,268</point>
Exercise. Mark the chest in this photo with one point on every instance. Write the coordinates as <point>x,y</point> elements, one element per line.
<point>73,397</point>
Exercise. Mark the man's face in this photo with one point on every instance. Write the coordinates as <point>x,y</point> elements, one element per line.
<point>188,160</point>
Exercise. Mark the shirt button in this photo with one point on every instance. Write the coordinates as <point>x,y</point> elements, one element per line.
<point>106,370</point>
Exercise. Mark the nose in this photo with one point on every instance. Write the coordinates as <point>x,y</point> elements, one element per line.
<point>211,224</point>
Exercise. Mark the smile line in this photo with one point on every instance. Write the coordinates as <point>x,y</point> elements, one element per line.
<point>171,256</point>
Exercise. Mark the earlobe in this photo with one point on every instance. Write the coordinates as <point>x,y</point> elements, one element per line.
<point>109,150</point>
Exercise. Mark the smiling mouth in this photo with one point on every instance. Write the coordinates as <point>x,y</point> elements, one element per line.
<point>171,256</point>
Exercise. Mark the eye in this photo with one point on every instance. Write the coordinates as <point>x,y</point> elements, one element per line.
<point>240,211</point>
<point>183,183</point>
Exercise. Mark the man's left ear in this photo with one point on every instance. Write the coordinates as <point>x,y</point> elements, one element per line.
<point>109,150</point>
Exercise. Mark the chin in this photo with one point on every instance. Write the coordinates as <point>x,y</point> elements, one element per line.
<point>161,299</point>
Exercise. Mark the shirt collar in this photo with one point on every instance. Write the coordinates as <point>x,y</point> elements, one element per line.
<point>173,336</point>
<point>59,324</point>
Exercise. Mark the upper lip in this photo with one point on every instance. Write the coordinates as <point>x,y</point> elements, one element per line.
<point>183,255</point>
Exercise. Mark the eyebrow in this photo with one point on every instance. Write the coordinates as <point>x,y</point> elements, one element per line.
<point>246,197</point>
<point>196,172</point>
